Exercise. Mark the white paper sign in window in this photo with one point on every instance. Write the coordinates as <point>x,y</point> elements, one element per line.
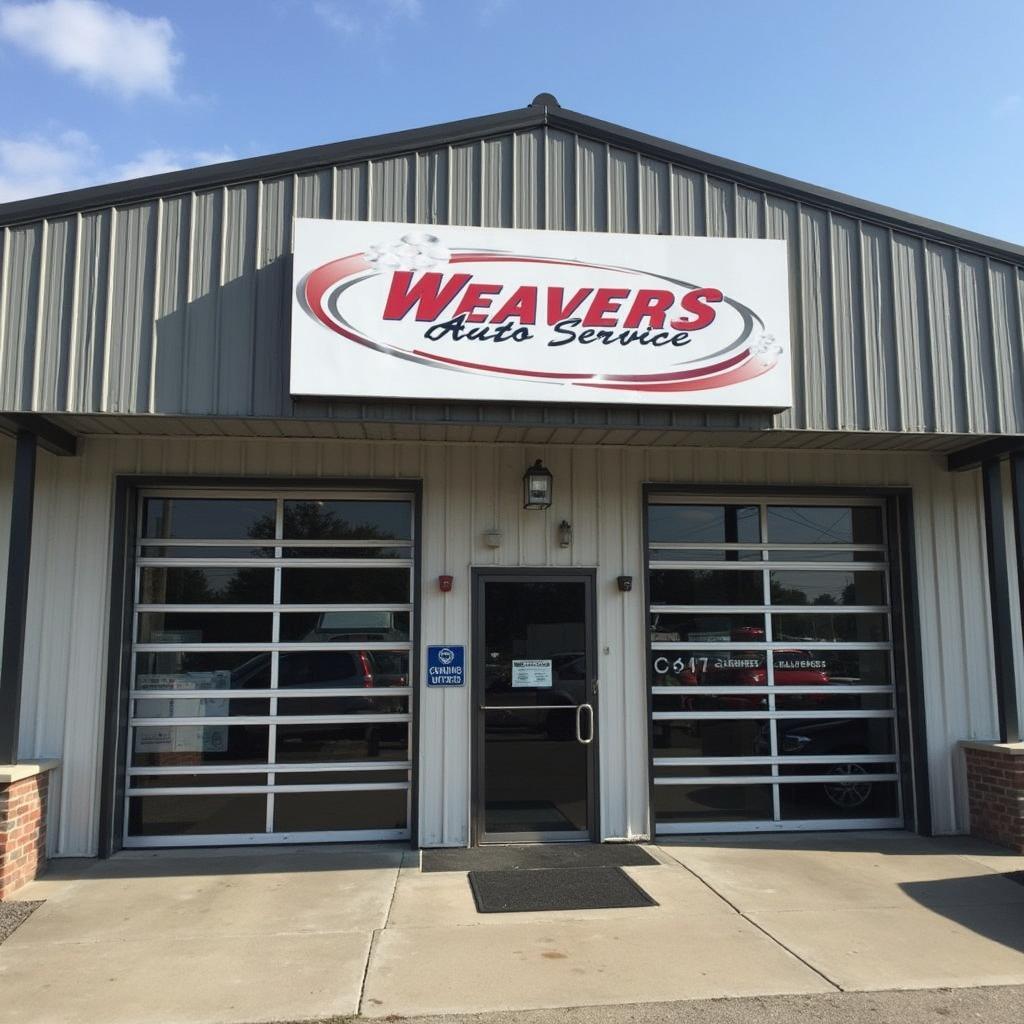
<point>531,672</point>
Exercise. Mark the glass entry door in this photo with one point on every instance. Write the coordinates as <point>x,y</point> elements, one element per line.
<point>535,699</point>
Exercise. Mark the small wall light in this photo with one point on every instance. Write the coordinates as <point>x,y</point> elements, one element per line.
<point>445,583</point>
<point>625,583</point>
<point>492,538</point>
<point>537,486</point>
<point>564,534</point>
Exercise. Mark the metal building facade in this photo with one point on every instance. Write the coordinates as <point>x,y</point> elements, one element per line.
<point>176,305</point>
<point>152,321</point>
<point>467,489</point>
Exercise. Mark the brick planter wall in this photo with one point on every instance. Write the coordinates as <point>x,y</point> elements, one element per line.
<point>22,828</point>
<point>995,788</point>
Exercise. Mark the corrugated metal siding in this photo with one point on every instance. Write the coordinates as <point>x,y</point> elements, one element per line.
<point>467,490</point>
<point>180,305</point>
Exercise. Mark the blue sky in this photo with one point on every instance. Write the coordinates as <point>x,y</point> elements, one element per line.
<point>918,104</point>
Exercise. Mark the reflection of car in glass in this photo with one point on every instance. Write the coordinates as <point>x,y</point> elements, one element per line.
<point>334,670</point>
<point>350,626</point>
<point>811,737</point>
<point>792,668</point>
<point>746,668</point>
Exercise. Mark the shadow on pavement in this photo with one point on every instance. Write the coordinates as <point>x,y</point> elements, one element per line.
<point>233,860</point>
<point>988,905</point>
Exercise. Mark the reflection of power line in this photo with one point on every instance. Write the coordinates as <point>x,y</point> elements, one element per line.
<point>800,519</point>
<point>715,524</point>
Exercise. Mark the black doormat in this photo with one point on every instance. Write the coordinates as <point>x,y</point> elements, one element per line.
<point>528,858</point>
<point>515,892</point>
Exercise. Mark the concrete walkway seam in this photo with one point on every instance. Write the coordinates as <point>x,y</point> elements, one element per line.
<point>764,931</point>
<point>373,937</point>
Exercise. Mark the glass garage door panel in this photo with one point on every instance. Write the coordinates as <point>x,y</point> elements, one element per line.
<point>271,696</point>
<point>771,665</point>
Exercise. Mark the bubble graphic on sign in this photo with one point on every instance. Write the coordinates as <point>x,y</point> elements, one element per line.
<point>446,656</point>
<point>416,250</point>
<point>766,350</point>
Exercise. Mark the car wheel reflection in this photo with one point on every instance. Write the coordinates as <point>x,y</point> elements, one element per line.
<point>848,792</point>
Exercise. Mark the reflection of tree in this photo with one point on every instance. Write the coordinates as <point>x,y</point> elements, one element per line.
<point>787,595</point>
<point>176,586</point>
<point>706,586</point>
<point>798,595</point>
<point>315,520</point>
<point>263,528</point>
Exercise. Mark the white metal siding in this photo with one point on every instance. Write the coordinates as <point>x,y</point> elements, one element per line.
<point>468,489</point>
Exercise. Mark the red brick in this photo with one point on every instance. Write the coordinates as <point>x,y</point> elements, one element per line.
<point>22,832</point>
<point>995,786</point>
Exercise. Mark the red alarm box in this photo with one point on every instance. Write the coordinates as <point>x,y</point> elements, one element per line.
<point>445,583</point>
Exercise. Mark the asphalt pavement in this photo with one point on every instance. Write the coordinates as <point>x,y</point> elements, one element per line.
<point>996,1005</point>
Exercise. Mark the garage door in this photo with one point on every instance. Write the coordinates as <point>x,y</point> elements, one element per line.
<point>270,694</point>
<point>771,666</point>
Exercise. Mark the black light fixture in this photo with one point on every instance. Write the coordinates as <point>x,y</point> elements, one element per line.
<point>537,486</point>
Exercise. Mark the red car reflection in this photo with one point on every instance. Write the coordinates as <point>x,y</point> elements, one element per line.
<point>792,667</point>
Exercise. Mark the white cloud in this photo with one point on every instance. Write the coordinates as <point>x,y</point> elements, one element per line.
<point>38,166</point>
<point>342,16</point>
<point>103,45</point>
<point>335,16</point>
<point>162,161</point>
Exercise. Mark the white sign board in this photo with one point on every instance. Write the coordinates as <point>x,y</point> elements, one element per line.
<point>531,672</point>
<point>406,311</point>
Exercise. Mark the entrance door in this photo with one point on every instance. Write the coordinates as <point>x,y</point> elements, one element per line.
<point>535,691</point>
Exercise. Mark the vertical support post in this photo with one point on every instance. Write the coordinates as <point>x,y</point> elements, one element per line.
<point>15,610</point>
<point>1012,733</point>
<point>999,591</point>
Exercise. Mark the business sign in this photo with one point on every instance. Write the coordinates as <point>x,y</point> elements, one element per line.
<point>403,311</point>
<point>446,666</point>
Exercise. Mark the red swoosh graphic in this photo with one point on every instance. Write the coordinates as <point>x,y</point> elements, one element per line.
<point>734,370</point>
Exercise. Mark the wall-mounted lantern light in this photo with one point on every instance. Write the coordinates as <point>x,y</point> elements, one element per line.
<point>537,486</point>
<point>564,534</point>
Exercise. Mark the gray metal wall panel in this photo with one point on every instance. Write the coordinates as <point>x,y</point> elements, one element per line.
<point>592,188</point>
<point>528,179</point>
<point>497,203</point>
<point>432,187</point>
<point>655,197</point>
<point>1007,340</point>
<point>132,324</point>
<point>720,208</point>
<point>181,305</point>
<point>23,248</point>
<point>560,159</point>
<point>55,315</point>
<point>688,202</point>
<point>313,198</point>
<point>623,198</point>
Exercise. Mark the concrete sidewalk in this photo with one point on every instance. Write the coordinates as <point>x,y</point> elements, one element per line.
<point>233,936</point>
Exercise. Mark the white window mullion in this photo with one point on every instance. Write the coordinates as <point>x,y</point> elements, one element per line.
<point>275,658</point>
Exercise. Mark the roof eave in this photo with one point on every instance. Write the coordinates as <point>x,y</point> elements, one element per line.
<point>236,171</point>
<point>779,184</point>
<point>455,132</point>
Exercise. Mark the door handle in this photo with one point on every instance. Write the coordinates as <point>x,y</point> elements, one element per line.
<point>579,724</point>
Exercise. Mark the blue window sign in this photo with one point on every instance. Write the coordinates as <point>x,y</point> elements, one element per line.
<point>446,666</point>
